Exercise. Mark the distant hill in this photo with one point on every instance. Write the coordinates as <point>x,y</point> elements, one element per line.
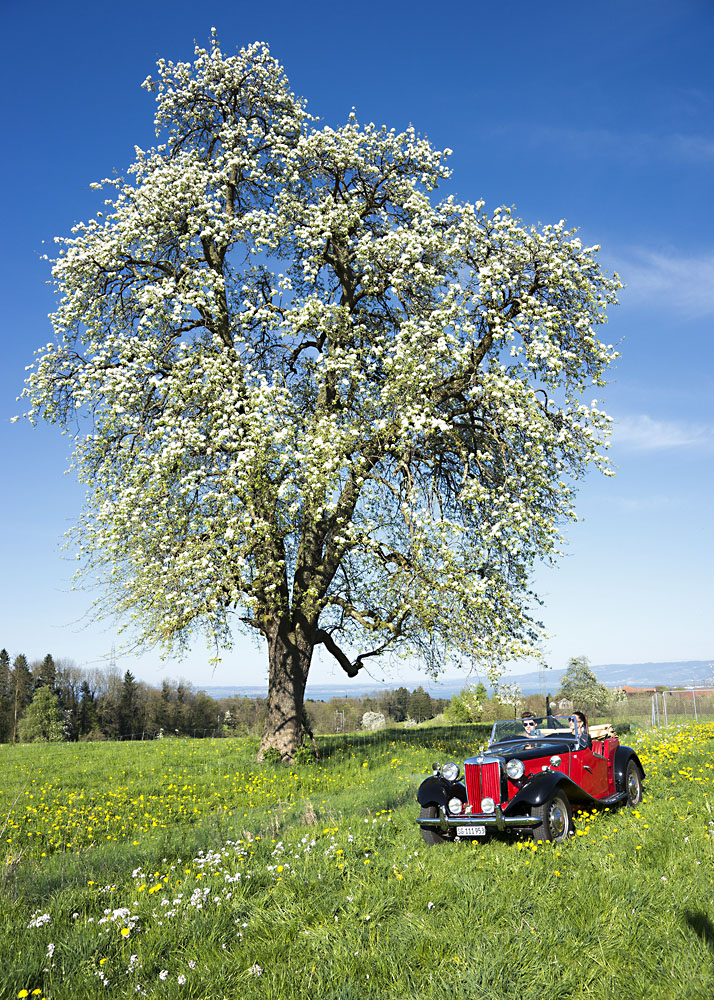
<point>679,673</point>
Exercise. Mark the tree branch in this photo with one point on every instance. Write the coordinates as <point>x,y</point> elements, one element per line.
<point>350,668</point>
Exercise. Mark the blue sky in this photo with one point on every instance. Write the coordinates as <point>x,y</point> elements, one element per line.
<point>602,114</point>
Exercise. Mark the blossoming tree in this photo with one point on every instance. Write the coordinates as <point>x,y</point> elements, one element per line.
<point>318,402</point>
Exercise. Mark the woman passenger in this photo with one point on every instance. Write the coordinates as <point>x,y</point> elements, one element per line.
<point>579,727</point>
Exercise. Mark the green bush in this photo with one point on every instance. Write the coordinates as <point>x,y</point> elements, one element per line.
<point>623,728</point>
<point>304,755</point>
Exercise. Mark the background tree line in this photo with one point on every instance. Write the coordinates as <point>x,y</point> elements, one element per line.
<point>55,700</point>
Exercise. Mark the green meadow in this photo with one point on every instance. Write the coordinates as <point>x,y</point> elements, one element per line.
<point>181,868</point>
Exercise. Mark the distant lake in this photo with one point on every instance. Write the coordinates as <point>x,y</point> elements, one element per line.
<point>677,673</point>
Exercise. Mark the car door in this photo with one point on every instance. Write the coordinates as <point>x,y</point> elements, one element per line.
<point>593,773</point>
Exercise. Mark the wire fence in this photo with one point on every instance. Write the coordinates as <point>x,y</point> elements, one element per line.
<point>437,737</point>
<point>652,709</point>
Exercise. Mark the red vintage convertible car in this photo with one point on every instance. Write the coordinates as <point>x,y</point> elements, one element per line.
<point>529,781</point>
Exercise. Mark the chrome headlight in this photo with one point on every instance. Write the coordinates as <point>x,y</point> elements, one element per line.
<point>450,771</point>
<point>555,761</point>
<point>488,805</point>
<point>455,806</point>
<point>515,769</point>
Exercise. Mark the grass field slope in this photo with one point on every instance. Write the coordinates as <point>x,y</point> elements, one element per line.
<point>182,868</point>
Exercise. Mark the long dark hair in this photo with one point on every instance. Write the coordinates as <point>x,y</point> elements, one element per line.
<point>583,719</point>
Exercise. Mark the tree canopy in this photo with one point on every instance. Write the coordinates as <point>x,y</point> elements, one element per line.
<point>43,721</point>
<point>319,402</point>
<point>581,686</point>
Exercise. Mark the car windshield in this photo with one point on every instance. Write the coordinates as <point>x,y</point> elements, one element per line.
<point>537,727</point>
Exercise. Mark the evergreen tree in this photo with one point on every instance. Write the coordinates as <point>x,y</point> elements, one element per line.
<point>88,719</point>
<point>21,688</point>
<point>401,697</point>
<point>46,674</point>
<point>128,705</point>
<point>5,697</point>
<point>480,692</point>
<point>394,705</point>
<point>419,706</point>
<point>43,722</point>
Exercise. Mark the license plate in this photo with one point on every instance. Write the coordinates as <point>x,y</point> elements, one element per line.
<point>470,831</point>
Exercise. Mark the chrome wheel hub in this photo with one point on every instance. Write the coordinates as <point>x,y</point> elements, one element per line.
<point>557,820</point>
<point>633,787</point>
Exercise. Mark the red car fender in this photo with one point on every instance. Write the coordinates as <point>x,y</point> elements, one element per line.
<point>542,787</point>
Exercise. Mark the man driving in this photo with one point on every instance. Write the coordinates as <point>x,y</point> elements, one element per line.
<point>530,724</point>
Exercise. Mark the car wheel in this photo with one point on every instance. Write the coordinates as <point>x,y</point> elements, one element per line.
<point>430,834</point>
<point>633,784</point>
<point>556,819</point>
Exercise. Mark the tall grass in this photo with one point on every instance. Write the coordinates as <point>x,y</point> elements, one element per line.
<point>206,875</point>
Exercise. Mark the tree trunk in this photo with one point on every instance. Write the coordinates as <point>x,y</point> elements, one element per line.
<point>289,656</point>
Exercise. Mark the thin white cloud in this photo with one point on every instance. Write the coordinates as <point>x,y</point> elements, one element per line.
<point>657,502</point>
<point>695,148</point>
<point>643,433</point>
<point>623,146</point>
<point>672,281</point>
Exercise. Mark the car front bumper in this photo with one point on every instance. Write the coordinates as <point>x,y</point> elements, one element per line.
<point>493,821</point>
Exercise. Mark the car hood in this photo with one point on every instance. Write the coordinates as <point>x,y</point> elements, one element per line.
<point>525,750</point>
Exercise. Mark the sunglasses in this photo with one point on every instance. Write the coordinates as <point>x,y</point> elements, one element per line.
<point>528,722</point>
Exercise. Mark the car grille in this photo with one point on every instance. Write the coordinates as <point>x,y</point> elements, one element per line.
<point>483,780</point>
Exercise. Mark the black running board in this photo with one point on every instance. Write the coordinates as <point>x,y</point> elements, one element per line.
<point>613,800</point>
